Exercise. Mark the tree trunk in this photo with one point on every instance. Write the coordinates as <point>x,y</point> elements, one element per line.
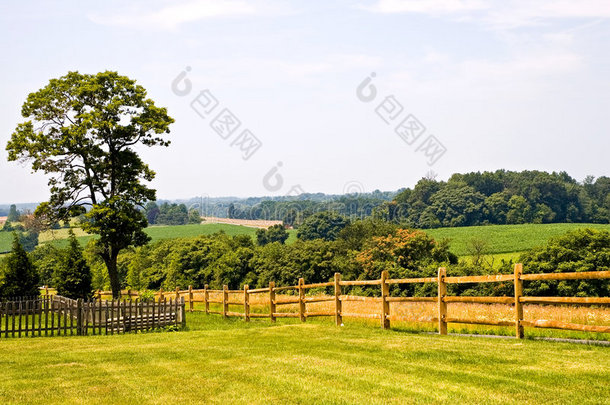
<point>113,273</point>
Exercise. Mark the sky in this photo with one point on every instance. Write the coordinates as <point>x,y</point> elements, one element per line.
<point>330,96</point>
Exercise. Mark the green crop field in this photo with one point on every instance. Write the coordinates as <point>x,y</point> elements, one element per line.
<point>6,239</point>
<point>228,361</point>
<point>504,241</point>
<point>157,232</point>
<point>506,238</point>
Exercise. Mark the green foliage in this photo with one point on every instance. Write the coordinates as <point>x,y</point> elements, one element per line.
<point>501,197</point>
<point>19,277</point>
<point>152,212</point>
<point>354,235</point>
<point>81,130</point>
<point>172,214</point>
<point>275,233</point>
<point>405,254</point>
<point>314,260</point>
<point>72,278</point>
<point>579,250</point>
<point>13,214</point>
<point>46,258</point>
<point>194,217</point>
<point>29,240</point>
<point>324,225</point>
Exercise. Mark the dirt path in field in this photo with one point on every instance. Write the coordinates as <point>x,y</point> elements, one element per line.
<point>244,222</point>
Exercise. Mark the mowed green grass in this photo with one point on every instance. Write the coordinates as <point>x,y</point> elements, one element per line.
<point>228,361</point>
<point>506,238</point>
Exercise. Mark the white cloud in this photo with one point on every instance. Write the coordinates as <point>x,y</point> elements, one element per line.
<point>498,14</point>
<point>425,6</point>
<point>172,16</point>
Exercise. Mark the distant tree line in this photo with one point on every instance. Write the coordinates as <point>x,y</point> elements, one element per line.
<point>293,212</point>
<point>500,197</point>
<point>478,198</point>
<point>170,214</point>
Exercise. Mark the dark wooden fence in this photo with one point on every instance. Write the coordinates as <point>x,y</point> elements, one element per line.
<point>60,316</point>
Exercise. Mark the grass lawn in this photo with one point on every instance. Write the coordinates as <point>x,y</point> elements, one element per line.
<point>506,238</point>
<point>220,361</point>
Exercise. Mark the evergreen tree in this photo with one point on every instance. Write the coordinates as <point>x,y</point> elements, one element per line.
<point>13,214</point>
<point>20,278</point>
<point>72,277</point>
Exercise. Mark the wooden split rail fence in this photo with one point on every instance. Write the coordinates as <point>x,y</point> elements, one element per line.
<point>52,315</point>
<point>442,299</point>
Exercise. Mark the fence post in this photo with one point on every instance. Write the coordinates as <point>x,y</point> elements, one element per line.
<point>246,304</point>
<point>225,299</point>
<point>442,305</point>
<point>272,301</point>
<point>177,293</point>
<point>338,307</point>
<point>206,299</point>
<point>79,316</point>
<point>182,313</point>
<point>385,305</point>
<point>99,295</point>
<point>161,298</point>
<point>46,290</point>
<point>302,299</point>
<point>518,303</point>
<point>190,298</point>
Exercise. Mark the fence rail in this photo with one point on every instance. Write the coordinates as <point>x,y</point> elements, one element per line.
<point>384,299</point>
<point>54,315</point>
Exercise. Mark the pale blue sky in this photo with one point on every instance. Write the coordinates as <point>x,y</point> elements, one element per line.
<point>501,84</point>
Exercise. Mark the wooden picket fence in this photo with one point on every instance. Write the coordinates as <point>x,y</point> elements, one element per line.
<point>384,299</point>
<point>52,315</point>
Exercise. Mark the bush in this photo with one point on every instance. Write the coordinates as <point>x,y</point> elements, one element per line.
<point>575,251</point>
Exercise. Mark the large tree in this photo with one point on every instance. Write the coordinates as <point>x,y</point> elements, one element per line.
<point>81,130</point>
<point>322,225</point>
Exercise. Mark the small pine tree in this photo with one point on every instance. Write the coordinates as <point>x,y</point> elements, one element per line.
<point>13,214</point>
<point>20,278</point>
<point>72,277</point>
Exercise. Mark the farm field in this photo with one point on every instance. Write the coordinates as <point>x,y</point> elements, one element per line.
<point>504,241</point>
<point>506,238</point>
<point>230,361</point>
<point>158,232</point>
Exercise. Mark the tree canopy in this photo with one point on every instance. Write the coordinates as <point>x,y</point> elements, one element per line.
<point>322,225</point>
<point>275,233</point>
<point>81,131</point>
